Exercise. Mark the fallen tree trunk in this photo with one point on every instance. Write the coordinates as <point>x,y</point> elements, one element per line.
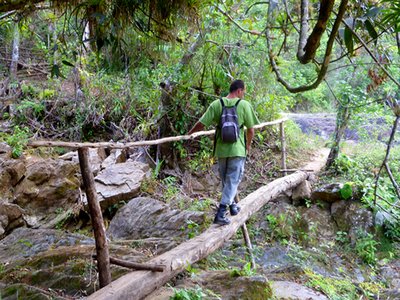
<point>137,285</point>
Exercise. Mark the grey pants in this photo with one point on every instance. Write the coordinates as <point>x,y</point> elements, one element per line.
<point>231,170</point>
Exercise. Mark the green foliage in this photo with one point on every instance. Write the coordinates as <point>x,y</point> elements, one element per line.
<point>360,169</point>
<point>392,230</point>
<point>297,141</point>
<point>193,228</point>
<point>188,294</point>
<point>281,226</point>
<point>246,270</point>
<point>200,204</point>
<point>343,164</point>
<point>171,189</point>
<point>366,248</point>
<point>346,192</point>
<point>335,289</point>
<point>342,237</point>
<point>18,140</point>
<point>203,159</point>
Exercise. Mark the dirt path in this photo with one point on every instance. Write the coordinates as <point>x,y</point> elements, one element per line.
<point>318,161</point>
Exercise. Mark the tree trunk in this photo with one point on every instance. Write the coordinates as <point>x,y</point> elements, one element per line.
<point>137,285</point>
<point>15,53</point>
<point>342,119</point>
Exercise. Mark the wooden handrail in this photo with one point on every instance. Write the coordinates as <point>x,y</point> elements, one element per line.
<point>117,145</point>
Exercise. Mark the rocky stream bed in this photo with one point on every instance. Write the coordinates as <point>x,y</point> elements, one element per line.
<point>295,237</point>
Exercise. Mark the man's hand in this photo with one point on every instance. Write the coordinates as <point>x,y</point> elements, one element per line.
<point>197,127</point>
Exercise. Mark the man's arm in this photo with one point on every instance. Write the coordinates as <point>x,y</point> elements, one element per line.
<point>197,127</point>
<point>249,138</point>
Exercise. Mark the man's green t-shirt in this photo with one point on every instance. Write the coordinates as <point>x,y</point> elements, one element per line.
<point>246,117</point>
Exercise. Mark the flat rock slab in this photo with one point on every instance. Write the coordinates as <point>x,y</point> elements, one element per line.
<point>120,182</point>
<point>294,291</point>
<point>26,242</point>
<point>146,217</point>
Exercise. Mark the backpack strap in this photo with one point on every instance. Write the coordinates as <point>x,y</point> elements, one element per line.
<point>237,102</point>
<point>217,127</point>
<point>222,102</point>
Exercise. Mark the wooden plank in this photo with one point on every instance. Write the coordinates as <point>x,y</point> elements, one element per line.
<point>137,285</point>
<point>73,145</point>
<point>103,261</point>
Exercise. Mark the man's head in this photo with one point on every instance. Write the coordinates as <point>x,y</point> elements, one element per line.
<point>238,88</point>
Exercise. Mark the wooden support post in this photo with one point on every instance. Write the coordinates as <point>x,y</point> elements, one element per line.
<point>135,265</point>
<point>247,240</point>
<point>103,261</point>
<point>283,146</point>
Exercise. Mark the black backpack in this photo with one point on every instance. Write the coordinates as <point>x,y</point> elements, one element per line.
<point>229,123</point>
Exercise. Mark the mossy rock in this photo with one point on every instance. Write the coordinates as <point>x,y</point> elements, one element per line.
<point>23,291</point>
<point>226,286</point>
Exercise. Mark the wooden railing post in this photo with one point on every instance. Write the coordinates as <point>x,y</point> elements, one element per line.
<point>247,240</point>
<point>283,146</point>
<point>103,260</point>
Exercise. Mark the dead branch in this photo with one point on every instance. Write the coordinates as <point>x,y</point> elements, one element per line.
<point>385,162</point>
<point>135,265</point>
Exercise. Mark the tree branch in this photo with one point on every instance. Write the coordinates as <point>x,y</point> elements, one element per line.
<point>371,54</point>
<point>325,64</point>
<point>303,29</point>
<point>314,40</point>
<point>384,163</point>
<point>254,32</point>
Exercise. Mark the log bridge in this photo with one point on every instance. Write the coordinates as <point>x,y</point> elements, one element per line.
<point>137,285</point>
<point>161,269</point>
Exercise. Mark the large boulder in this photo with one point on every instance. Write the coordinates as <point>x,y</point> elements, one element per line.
<point>352,217</point>
<point>120,182</point>
<point>293,290</point>
<point>145,217</point>
<point>25,242</point>
<point>10,217</point>
<point>5,150</point>
<point>96,158</point>
<point>54,263</point>
<point>302,191</point>
<point>48,188</point>
<point>329,193</point>
<point>11,172</point>
<point>391,274</point>
<point>223,284</point>
<point>116,156</point>
<point>316,223</point>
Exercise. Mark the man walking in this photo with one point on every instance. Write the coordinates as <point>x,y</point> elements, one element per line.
<point>231,154</point>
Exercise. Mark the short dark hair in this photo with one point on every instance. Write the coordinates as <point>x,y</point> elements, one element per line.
<point>236,85</point>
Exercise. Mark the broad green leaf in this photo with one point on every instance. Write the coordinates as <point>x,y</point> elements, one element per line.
<point>55,71</point>
<point>346,191</point>
<point>371,30</point>
<point>348,40</point>
<point>67,63</point>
